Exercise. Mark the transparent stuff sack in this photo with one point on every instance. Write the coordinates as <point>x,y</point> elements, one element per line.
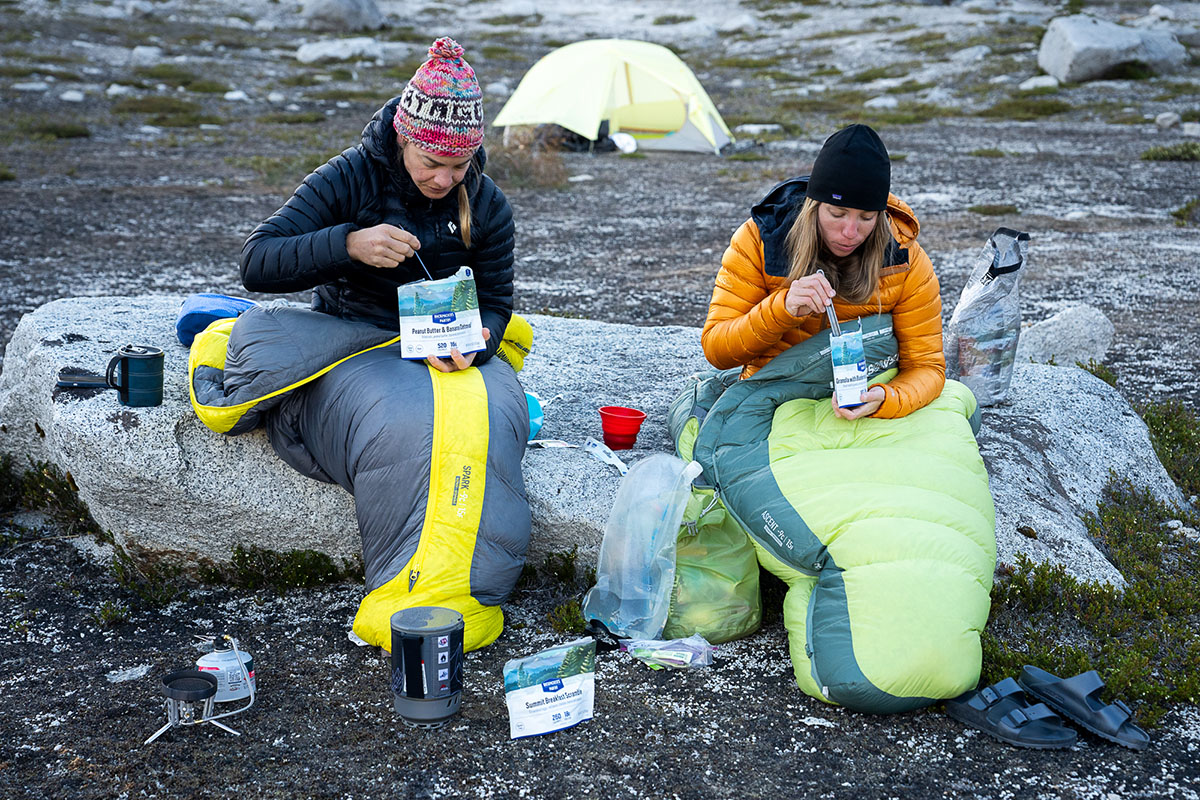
<point>636,568</point>
<point>981,338</point>
<point>716,592</point>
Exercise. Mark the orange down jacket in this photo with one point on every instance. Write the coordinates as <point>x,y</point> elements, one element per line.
<point>748,325</point>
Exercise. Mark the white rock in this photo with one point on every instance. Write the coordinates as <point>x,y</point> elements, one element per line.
<point>497,89</point>
<point>72,96</point>
<point>998,79</point>
<point>1167,119</point>
<point>1079,333</point>
<point>738,23</point>
<point>736,83</point>
<point>1039,82</point>
<point>138,8</point>
<point>1080,48</point>
<point>971,54</point>
<point>264,25</point>
<point>150,130</point>
<point>583,178</point>
<point>292,107</point>
<point>148,475</point>
<point>31,86</point>
<point>236,95</point>
<point>1161,11</point>
<point>755,128</point>
<point>145,55</point>
<point>341,15</point>
<point>1191,129</point>
<point>1043,457</point>
<point>276,97</point>
<point>937,96</point>
<point>363,47</point>
<point>883,101</point>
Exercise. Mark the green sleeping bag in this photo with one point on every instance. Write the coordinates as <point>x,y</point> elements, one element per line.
<point>883,529</point>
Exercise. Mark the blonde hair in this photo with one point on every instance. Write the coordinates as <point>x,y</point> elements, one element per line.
<point>854,278</point>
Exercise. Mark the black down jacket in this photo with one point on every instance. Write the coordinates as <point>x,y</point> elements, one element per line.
<point>303,245</point>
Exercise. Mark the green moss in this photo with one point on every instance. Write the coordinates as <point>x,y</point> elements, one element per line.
<point>910,114</point>
<point>56,129</point>
<point>886,71</point>
<point>826,102</point>
<point>990,210</point>
<point>1175,434</point>
<point>110,614</point>
<point>897,156</point>
<point>292,118</point>
<point>204,86</point>
<point>987,152</point>
<point>282,171</point>
<point>825,69</point>
<point>933,44</point>
<point>150,583</point>
<point>746,62</point>
<point>1188,213</point>
<point>6,174</point>
<point>779,75</point>
<point>908,87</point>
<point>673,19</point>
<point>787,17</point>
<point>1191,115</point>
<point>299,79</point>
<point>835,34</point>
<point>1025,108</point>
<point>170,74</point>
<point>349,95</point>
<point>155,105</point>
<point>1129,71</point>
<point>1144,642</point>
<point>636,154</point>
<point>407,34</point>
<point>527,20</point>
<point>255,568</point>
<point>1182,151</point>
<point>185,120</point>
<point>561,566</point>
<point>43,487</point>
<point>1101,371</point>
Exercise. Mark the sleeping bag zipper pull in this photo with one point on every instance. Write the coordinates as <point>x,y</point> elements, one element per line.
<point>413,574</point>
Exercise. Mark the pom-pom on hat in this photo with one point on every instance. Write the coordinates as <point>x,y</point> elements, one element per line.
<point>852,170</point>
<point>441,108</point>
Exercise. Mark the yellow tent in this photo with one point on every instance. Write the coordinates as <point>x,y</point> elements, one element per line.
<point>641,88</point>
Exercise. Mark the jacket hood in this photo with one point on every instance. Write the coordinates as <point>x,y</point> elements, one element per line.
<point>777,211</point>
<point>379,143</point>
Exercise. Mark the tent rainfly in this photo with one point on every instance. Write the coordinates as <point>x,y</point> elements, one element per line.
<point>641,88</point>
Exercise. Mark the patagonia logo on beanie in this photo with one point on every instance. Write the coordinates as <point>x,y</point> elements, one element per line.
<point>441,108</point>
<point>852,170</point>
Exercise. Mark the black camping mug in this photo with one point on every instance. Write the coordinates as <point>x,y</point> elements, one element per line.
<point>141,381</point>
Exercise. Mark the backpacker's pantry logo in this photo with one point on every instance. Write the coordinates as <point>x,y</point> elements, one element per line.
<point>439,316</point>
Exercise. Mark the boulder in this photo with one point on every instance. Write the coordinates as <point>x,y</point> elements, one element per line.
<point>357,48</point>
<point>1167,120</point>
<point>341,15</point>
<point>1081,48</point>
<point>163,484</point>
<point>1038,82</point>
<point>1080,333</point>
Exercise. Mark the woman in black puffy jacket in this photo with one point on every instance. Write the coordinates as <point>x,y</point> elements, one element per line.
<point>433,461</point>
<point>414,188</point>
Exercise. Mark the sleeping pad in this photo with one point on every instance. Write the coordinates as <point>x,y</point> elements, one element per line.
<point>883,529</point>
<point>433,459</point>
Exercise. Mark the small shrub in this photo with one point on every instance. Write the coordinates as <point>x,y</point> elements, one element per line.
<point>1129,71</point>
<point>1144,641</point>
<point>299,79</point>
<point>1101,371</point>
<point>55,129</point>
<point>561,566</point>
<point>170,74</point>
<point>205,86</point>
<point>567,617</point>
<point>255,568</point>
<point>673,19</point>
<point>528,20</point>
<point>1187,213</point>
<point>151,584</point>
<point>987,152</point>
<point>989,210</point>
<point>897,156</point>
<point>110,614</point>
<point>284,171</point>
<point>1175,434</point>
<point>521,165</point>
<point>6,174</point>
<point>1182,151</point>
<point>745,62</point>
<point>1025,108</point>
<point>747,156</point>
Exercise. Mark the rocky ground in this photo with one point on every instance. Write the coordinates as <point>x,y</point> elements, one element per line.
<point>158,196</point>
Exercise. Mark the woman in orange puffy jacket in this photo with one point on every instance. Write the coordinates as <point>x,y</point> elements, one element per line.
<point>844,221</point>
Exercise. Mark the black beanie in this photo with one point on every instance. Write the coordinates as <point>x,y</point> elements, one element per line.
<point>852,170</point>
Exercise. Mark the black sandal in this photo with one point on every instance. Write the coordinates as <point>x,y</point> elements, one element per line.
<point>1003,712</point>
<point>1078,699</point>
